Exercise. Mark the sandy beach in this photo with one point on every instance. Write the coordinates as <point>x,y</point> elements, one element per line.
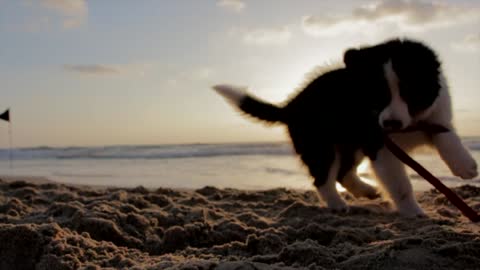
<point>55,226</point>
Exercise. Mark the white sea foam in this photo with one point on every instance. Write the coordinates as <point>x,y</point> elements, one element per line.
<point>245,166</point>
<point>148,151</point>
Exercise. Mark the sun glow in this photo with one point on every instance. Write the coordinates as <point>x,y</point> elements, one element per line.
<point>365,174</point>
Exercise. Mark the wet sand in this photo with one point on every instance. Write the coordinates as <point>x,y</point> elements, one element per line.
<point>54,226</point>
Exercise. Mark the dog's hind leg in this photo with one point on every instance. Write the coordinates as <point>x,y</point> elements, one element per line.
<point>357,187</point>
<point>324,165</point>
<point>350,159</point>
<point>393,177</point>
<point>322,161</point>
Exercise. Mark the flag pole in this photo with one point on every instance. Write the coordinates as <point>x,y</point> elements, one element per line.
<point>10,144</point>
<point>6,116</point>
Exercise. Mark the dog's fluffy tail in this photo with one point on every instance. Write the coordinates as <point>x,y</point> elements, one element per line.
<point>238,97</point>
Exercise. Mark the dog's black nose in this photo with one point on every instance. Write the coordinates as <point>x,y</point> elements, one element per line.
<point>392,124</point>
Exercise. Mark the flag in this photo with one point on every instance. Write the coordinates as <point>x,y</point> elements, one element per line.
<point>6,115</point>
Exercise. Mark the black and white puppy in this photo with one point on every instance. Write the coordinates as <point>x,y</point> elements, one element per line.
<point>340,117</point>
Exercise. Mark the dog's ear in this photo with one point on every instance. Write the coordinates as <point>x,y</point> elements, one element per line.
<point>351,58</point>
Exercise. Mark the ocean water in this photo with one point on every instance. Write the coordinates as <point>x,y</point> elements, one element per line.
<point>244,166</point>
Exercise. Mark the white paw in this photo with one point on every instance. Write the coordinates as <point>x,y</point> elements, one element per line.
<point>456,155</point>
<point>464,167</point>
<point>331,197</point>
<point>338,205</point>
<point>410,209</point>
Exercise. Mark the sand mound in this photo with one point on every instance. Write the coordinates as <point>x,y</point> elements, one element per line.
<point>54,226</point>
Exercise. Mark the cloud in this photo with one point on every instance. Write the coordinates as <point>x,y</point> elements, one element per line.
<point>92,69</point>
<point>44,15</point>
<point>233,5</point>
<point>140,69</point>
<point>415,13</point>
<point>405,14</point>
<point>471,43</point>
<point>263,36</point>
<point>73,12</point>
<point>325,26</point>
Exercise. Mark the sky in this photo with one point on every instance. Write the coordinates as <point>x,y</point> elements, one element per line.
<point>91,73</point>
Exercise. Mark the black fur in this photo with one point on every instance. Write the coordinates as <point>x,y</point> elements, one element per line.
<point>337,113</point>
<point>261,110</point>
<point>415,64</point>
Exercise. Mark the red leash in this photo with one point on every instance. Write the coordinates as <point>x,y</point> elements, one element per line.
<point>451,196</point>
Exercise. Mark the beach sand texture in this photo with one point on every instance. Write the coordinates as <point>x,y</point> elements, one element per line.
<point>55,226</point>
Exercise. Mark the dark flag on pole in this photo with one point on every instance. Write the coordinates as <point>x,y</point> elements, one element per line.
<point>6,115</point>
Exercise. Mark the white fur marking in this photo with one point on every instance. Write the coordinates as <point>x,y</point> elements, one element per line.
<point>233,94</point>
<point>397,109</point>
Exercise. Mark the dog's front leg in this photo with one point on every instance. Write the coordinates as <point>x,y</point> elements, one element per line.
<point>455,155</point>
<point>393,178</point>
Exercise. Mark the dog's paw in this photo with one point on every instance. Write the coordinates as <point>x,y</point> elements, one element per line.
<point>339,206</point>
<point>411,209</point>
<point>464,167</point>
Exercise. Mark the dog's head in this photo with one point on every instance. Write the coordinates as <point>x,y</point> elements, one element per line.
<point>402,77</point>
